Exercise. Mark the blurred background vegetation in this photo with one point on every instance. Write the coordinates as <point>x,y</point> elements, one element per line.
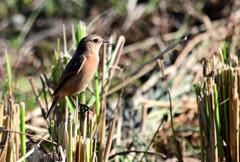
<point>29,30</point>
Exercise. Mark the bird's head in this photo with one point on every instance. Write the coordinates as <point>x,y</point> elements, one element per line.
<point>91,43</point>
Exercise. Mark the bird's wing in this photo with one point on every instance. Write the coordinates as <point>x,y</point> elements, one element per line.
<point>73,67</point>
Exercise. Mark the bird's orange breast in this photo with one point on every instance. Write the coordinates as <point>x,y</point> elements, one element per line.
<point>81,79</point>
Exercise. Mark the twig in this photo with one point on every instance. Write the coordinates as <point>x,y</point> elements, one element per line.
<point>109,140</point>
<point>150,103</point>
<point>138,152</point>
<point>35,91</point>
<point>174,134</point>
<point>155,134</point>
<point>43,89</point>
<point>30,135</point>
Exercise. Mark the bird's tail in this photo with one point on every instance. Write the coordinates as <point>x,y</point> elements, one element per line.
<point>56,99</point>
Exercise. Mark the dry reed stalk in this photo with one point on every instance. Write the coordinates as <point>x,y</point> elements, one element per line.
<point>89,123</point>
<point>1,118</point>
<point>94,150</point>
<point>62,153</point>
<point>234,121</point>
<point>4,151</point>
<point>109,140</point>
<point>5,137</point>
<point>103,107</point>
<point>65,138</point>
<point>161,65</point>
<point>102,130</point>
<point>83,125</point>
<point>83,150</point>
<point>212,127</point>
<point>150,103</point>
<point>119,129</point>
<point>60,133</point>
<point>76,120</point>
<point>70,145</point>
<point>30,135</point>
<point>79,142</point>
<point>35,91</point>
<point>11,127</point>
<point>144,118</point>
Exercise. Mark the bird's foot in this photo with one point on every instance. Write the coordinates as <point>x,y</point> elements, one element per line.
<point>83,108</point>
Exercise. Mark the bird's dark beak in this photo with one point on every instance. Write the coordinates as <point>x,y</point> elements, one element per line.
<point>105,41</point>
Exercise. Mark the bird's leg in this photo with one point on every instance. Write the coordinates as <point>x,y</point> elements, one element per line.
<point>78,100</point>
<point>72,102</point>
<point>83,107</point>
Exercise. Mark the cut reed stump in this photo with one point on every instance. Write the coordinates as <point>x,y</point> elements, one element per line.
<point>218,107</point>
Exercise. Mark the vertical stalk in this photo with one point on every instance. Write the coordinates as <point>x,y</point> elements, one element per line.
<point>206,98</point>
<point>8,72</point>
<point>201,136</point>
<point>70,150</point>
<point>52,133</point>
<point>225,110</point>
<point>64,41</point>
<point>174,134</point>
<point>197,89</point>
<point>81,32</point>
<point>97,95</point>
<point>217,120</point>
<point>22,129</point>
<point>70,106</point>
<point>91,141</point>
<point>87,146</point>
<point>225,52</point>
<point>82,97</point>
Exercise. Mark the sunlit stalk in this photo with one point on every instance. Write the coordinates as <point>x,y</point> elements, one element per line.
<point>22,129</point>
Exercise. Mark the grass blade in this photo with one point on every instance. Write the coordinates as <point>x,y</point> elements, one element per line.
<point>224,51</point>
<point>22,129</point>
<point>8,72</point>
<point>97,95</point>
<point>70,106</point>
<point>217,120</point>
<point>174,134</point>
<point>70,151</point>
<point>154,136</point>
<point>52,133</point>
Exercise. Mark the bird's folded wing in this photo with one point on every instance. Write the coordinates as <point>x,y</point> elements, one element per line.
<point>73,67</point>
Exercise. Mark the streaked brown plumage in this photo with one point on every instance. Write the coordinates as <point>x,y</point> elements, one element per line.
<point>80,69</point>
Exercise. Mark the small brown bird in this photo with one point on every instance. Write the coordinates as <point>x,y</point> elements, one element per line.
<point>80,69</point>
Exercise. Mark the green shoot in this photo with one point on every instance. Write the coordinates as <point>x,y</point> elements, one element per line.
<point>97,95</point>
<point>217,120</point>
<point>22,128</point>
<point>69,103</point>
<point>8,72</point>
<point>52,133</point>
<point>224,51</point>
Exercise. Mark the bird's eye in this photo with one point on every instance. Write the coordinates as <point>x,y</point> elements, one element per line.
<point>95,40</point>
